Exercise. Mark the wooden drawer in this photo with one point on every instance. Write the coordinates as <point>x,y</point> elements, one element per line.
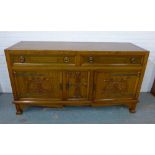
<point>44,59</point>
<point>111,60</point>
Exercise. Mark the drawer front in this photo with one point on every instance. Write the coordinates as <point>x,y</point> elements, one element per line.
<point>43,59</point>
<point>111,60</point>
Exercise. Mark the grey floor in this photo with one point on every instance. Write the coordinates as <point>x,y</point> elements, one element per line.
<point>79,115</point>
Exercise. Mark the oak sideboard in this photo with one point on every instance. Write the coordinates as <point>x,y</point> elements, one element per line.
<point>57,74</point>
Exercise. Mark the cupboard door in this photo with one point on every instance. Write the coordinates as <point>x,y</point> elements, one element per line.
<point>77,85</point>
<point>38,84</point>
<point>115,84</point>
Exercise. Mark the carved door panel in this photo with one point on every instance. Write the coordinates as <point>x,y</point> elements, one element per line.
<point>115,84</point>
<point>77,85</point>
<point>42,84</point>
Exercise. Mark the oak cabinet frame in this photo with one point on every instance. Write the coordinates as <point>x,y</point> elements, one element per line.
<point>80,75</point>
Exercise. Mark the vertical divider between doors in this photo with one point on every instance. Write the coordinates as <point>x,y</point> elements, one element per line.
<point>64,82</point>
<point>88,86</point>
<point>94,86</point>
<point>61,85</point>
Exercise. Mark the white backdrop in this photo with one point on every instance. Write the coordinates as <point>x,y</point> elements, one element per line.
<point>141,38</point>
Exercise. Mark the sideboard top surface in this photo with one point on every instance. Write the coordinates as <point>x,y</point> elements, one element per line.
<point>76,46</point>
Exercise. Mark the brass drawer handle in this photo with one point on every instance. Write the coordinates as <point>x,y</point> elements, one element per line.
<point>21,59</point>
<point>90,59</point>
<point>133,60</point>
<point>66,59</point>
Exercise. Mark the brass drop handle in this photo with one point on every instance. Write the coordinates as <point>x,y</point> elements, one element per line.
<point>21,59</point>
<point>66,59</point>
<point>90,59</point>
<point>133,60</point>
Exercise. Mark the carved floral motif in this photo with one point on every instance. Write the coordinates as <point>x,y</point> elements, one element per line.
<point>38,85</point>
<point>115,86</point>
<point>79,81</point>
